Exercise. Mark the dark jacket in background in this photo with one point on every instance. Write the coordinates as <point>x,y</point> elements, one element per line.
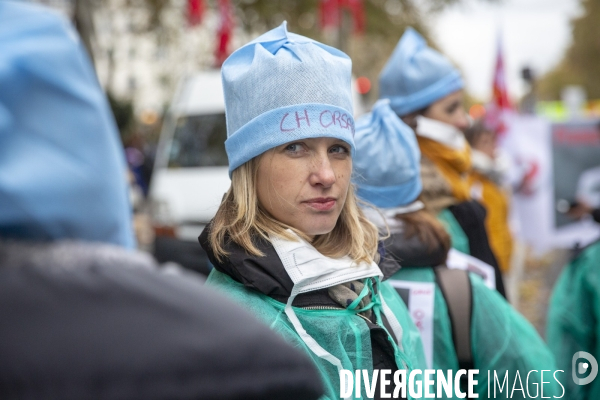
<point>92,321</point>
<point>470,215</point>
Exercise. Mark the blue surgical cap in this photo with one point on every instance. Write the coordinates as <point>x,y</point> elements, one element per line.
<point>62,169</point>
<point>416,76</point>
<point>283,87</point>
<point>386,166</point>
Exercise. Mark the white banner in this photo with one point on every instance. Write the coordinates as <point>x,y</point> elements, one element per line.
<point>419,298</point>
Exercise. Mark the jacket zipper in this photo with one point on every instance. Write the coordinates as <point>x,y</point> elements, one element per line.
<point>322,308</point>
<point>333,308</point>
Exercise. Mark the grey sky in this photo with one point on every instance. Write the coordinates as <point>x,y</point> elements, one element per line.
<point>534,33</point>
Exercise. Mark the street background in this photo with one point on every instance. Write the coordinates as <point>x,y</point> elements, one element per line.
<point>532,64</point>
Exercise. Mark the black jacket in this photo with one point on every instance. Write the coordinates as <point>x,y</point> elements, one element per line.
<point>268,276</point>
<point>90,321</point>
<point>471,217</point>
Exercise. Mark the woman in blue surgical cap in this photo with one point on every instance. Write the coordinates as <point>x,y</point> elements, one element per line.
<point>426,91</point>
<point>464,323</point>
<point>289,241</point>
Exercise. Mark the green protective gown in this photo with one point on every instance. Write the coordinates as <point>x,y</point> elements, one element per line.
<point>458,238</point>
<point>502,340</point>
<point>341,332</point>
<point>574,319</point>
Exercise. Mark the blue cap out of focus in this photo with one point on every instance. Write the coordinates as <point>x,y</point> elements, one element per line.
<point>283,87</point>
<point>62,169</point>
<point>386,165</point>
<point>416,76</point>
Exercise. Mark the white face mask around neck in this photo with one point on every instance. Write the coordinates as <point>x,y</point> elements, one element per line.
<point>440,132</point>
<point>310,271</point>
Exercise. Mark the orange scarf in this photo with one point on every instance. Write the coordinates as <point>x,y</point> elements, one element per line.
<point>496,201</point>
<point>453,164</point>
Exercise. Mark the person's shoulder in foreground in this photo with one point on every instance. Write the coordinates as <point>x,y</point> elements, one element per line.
<point>84,320</point>
<point>84,316</point>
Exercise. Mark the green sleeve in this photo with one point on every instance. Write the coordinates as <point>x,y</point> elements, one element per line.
<point>505,344</point>
<point>573,318</point>
<point>457,236</point>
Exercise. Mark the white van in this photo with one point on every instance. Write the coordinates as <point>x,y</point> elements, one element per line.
<point>190,173</point>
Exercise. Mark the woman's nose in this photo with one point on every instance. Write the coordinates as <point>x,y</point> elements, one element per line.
<point>322,172</point>
<point>461,121</point>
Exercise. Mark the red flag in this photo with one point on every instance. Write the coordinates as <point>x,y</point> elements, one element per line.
<point>331,12</point>
<point>358,14</point>
<point>224,32</point>
<point>195,12</point>
<point>500,93</point>
<point>500,104</point>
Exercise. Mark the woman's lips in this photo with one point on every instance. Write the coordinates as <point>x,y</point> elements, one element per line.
<point>321,203</point>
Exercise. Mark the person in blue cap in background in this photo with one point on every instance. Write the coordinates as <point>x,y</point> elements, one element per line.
<point>57,184</point>
<point>464,323</point>
<point>426,91</point>
<point>84,315</point>
<point>288,240</point>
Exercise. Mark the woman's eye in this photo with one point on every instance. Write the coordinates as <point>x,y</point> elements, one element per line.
<point>453,107</point>
<point>294,147</point>
<point>339,149</point>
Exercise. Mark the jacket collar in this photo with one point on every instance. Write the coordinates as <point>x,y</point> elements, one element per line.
<point>265,274</point>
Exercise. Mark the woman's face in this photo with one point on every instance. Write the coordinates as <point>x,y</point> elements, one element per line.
<point>486,143</point>
<point>449,109</point>
<point>304,184</point>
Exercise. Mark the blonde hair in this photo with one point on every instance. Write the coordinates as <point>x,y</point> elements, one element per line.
<point>241,218</point>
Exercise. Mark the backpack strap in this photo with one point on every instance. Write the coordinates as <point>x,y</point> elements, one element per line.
<point>456,289</point>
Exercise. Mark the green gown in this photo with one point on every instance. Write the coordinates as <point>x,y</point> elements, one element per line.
<point>502,340</point>
<point>341,332</point>
<point>574,318</point>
